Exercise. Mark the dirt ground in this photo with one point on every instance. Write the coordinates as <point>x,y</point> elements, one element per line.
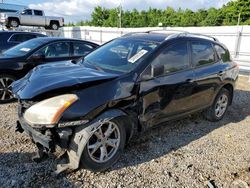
<point>191,152</point>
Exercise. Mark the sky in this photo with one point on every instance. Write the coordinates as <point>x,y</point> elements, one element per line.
<point>76,10</point>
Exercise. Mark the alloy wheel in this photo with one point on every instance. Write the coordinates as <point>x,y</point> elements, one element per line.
<point>104,143</point>
<point>14,23</point>
<point>54,26</point>
<point>221,105</point>
<point>5,89</point>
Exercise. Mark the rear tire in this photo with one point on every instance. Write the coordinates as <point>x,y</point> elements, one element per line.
<point>98,144</point>
<point>219,108</point>
<point>54,25</point>
<point>5,89</point>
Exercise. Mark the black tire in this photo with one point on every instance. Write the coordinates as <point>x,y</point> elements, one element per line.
<point>211,114</point>
<point>5,96</point>
<point>88,163</point>
<point>54,25</point>
<point>13,22</point>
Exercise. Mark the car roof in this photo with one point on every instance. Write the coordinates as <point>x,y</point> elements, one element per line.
<point>154,37</point>
<point>162,37</point>
<point>21,32</point>
<point>55,39</point>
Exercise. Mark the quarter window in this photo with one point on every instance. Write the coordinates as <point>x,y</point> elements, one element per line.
<point>222,53</point>
<point>174,58</point>
<point>202,53</point>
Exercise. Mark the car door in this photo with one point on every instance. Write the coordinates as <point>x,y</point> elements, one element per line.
<point>56,51</point>
<point>38,17</point>
<point>81,49</point>
<point>26,17</point>
<point>209,72</point>
<point>170,94</point>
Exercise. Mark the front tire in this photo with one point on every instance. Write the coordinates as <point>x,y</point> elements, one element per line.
<point>13,23</point>
<point>219,108</point>
<point>104,146</point>
<point>6,95</point>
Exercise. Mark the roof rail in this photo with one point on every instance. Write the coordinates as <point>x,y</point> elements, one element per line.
<point>203,35</point>
<point>173,34</point>
<point>181,32</point>
<point>166,30</point>
<point>133,33</point>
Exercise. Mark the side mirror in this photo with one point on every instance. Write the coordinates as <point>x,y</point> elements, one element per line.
<point>37,58</point>
<point>75,61</point>
<point>152,71</point>
<point>157,70</point>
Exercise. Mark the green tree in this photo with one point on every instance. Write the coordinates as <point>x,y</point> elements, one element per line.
<point>227,15</point>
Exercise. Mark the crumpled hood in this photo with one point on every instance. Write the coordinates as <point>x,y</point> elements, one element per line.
<point>53,76</point>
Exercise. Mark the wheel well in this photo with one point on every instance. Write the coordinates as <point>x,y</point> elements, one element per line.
<point>54,21</point>
<point>130,127</point>
<point>9,72</point>
<point>14,18</point>
<point>230,88</point>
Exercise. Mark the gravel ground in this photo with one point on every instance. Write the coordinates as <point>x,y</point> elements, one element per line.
<point>187,153</point>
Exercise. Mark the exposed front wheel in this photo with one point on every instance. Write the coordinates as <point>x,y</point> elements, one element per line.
<point>104,146</point>
<point>217,111</point>
<point>5,88</point>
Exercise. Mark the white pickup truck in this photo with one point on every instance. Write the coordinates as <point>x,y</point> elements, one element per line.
<point>30,17</point>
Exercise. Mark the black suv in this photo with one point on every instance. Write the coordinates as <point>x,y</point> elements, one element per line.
<point>9,39</point>
<point>132,83</point>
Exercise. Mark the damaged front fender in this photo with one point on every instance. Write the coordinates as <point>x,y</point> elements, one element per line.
<point>80,139</point>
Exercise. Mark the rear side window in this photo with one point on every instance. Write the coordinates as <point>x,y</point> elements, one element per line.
<point>174,58</point>
<point>38,13</point>
<point>21,37</point>
<point>222,53</point>
<point>202,53</point>
<point>82,49</point>
<point>54,50</point>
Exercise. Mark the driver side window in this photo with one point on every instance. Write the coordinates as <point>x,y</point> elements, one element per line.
<point>173,58</point>
<point>27,12</point>
<point>59,49</point>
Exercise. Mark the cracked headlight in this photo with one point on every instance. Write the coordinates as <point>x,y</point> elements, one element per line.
<point>49,111</point>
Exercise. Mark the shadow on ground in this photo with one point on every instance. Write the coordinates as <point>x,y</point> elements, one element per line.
<point>171,136</point>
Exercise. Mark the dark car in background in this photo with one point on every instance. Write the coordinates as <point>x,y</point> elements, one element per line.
<point>19,60</point>
<point>9,39</point>
<point>93,108</point>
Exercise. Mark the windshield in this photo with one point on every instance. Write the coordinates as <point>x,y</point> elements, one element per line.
<point>23,48</point>
<point>120,55</point>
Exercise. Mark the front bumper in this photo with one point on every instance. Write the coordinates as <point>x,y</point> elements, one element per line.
<point>48,137</point>
<point>36,135</point>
